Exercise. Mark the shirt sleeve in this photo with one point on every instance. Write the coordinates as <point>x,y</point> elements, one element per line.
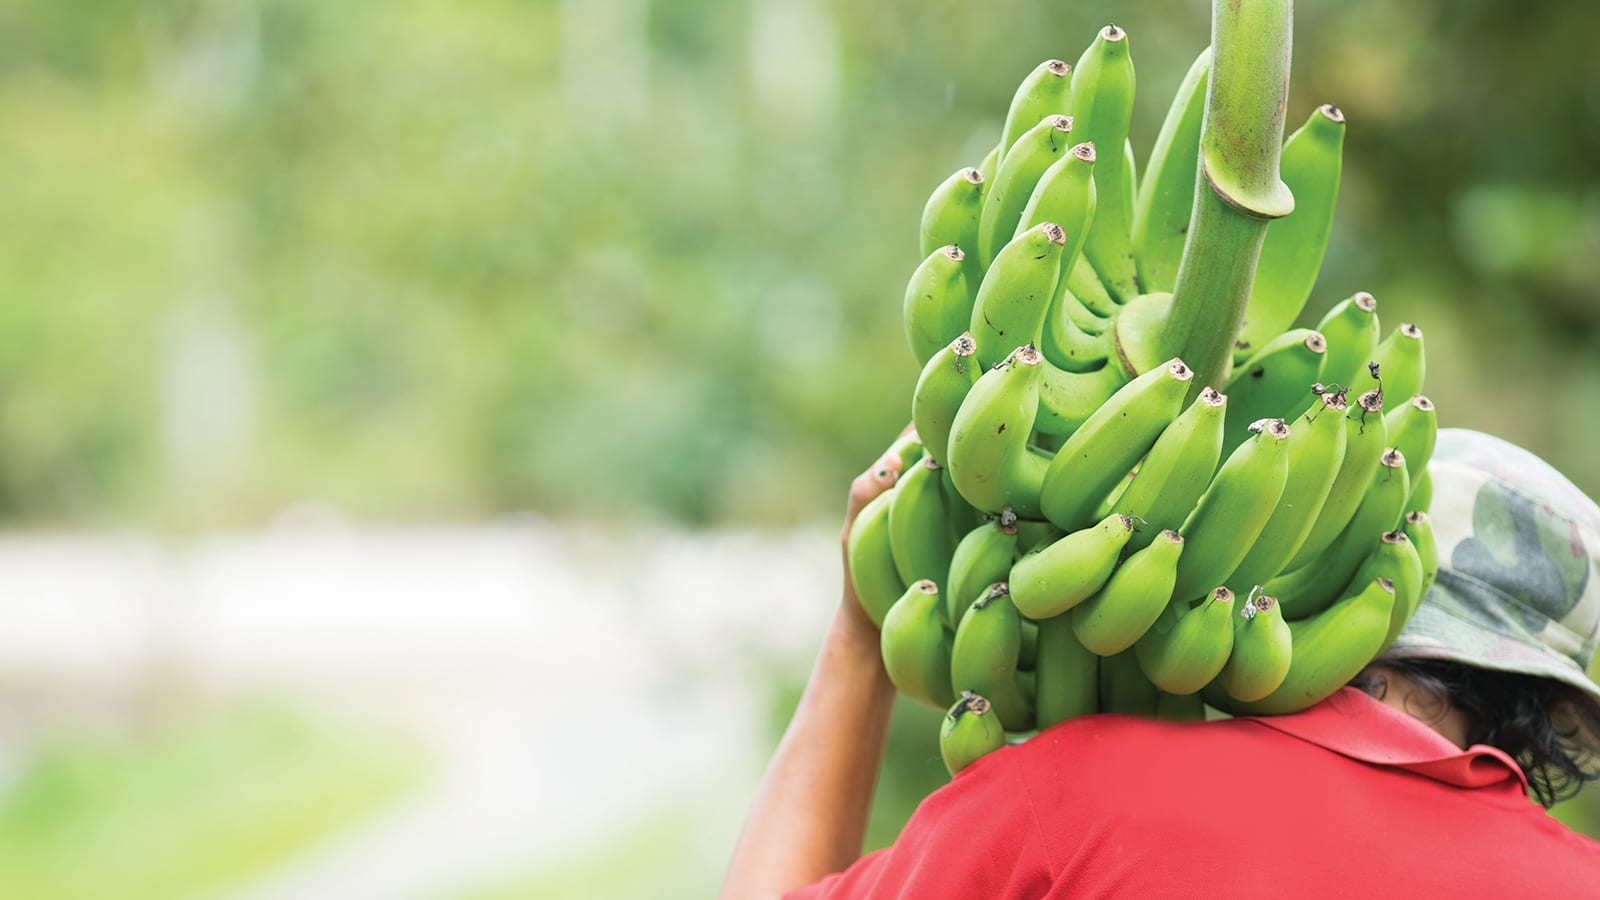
<point>974,837</point>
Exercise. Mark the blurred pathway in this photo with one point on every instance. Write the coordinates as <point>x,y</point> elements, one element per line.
<point>569,679</point>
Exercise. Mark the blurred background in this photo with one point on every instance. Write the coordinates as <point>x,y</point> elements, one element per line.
<point>424,425</point>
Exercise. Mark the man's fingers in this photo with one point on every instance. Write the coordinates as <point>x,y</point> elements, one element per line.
<point>875,480</point>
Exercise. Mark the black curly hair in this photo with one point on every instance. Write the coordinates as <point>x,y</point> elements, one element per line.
<point>1551,729</point>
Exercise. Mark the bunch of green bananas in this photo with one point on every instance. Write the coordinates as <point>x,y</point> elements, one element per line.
<point>1081,526</point>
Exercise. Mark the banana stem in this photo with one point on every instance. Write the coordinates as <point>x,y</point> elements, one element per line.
<point>1237,189</point>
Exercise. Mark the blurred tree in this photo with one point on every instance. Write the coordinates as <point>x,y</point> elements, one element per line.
<point>631,258</point>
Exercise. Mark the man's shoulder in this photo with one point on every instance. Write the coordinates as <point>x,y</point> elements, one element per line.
<point>1110,733</point>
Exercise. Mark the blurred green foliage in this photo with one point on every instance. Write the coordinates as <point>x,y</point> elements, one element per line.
<point>617,258</point>
<point>186,810</point>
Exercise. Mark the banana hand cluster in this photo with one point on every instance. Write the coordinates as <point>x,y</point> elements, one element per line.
<point>1081,526</point>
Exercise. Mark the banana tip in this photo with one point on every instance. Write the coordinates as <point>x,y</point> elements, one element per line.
<point>1058,67</point>
<point>1365,301</point>
<point>1112,33</point>
<point>1061,123</point>
<point>1410,330</point>
<point>1316,343</point>
<point>1331,113</point>
<point>1083,151</point>
<point>1213,397</point>
<point>972,176</point>
<point>969,703</point>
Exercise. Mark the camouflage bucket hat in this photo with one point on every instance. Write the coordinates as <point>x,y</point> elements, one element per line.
<point>1519,565</point>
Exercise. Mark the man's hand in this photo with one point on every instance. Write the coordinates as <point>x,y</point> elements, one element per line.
<point>810,813</point>
<point>878,477</point>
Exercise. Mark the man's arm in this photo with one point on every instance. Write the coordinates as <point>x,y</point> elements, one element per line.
<point>810,812</point>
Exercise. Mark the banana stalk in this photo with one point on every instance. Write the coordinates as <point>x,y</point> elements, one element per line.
<point>1238,190</point>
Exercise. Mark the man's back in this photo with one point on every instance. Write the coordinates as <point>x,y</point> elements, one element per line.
<point>1350,798</point>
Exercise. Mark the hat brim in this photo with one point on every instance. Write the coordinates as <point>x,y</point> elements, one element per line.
<point>1492,638</point>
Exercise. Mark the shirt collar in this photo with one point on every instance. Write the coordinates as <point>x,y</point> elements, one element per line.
<point>1353,724</point>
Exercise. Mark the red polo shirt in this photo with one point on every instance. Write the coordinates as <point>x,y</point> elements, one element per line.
<point>1348,799</point>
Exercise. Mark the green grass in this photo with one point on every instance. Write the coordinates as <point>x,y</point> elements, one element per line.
<point>662,858</point>
<point>185,810</point>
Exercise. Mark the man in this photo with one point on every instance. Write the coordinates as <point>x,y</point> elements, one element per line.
<point>1418,788</point>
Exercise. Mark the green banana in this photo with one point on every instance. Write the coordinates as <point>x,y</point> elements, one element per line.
<point>1274,383</point>
<point>1330,648</point>
<point>1102,108</point>
<point>1262,651</point>
<point>1180,707</point>
<point>1351,329</point>
<point>941,387</point>
<point>1084,283</point>
<point>1292,253</point>
<point>1186,648</point>
<point>968,732</point>
<point>1020,168</point>
<point>907,447</point>
<point>1232,511</point>
<point>1309,589</point>
<point>1131,599</point>
<point>1044,92</point>
<point>982,558</point>
<point>951,217</point>
<point>1068,399</point>
<point>938,304</point>
<point>1053,579</point>
<point>1365,442</point>
<point>1124,688</point>
<point>1177,469</point>
<point>1413,428</point>
<point>987,168</point>
<point>1067,675</point>
<point>1398,560</point>
<point>1422,492</point>
<point>1102,450</point>
<point>990,460</point>
<point>872,570</point>
<point>1067,306</point>
<point>984,657</point>
<point>1316,448</point>
<point>919,532</point>
<point>1419,528</point>
<point>1015,295</point>
<point>1064,194</point>
<point>1067,346</point>
<point>1401,362</point>
<point>1166,193</point>
<point>1130,185</point>
<point>916,646</point>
